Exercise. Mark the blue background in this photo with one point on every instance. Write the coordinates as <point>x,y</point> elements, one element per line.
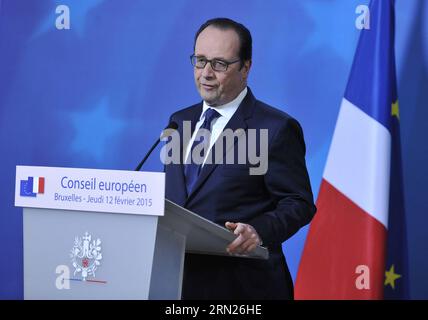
<point>98,95</point>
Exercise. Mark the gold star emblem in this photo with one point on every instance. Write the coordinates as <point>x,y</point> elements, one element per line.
<point>395,110</point>
<point>390,277</point>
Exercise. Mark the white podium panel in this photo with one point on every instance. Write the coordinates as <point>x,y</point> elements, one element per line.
<point>61,260</point>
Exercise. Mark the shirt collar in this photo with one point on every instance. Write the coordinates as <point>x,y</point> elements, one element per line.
<point>226,110</point>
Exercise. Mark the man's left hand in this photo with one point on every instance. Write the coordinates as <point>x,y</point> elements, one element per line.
<point>247,240</point>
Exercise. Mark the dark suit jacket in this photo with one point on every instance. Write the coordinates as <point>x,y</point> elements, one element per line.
<point>276,204</point>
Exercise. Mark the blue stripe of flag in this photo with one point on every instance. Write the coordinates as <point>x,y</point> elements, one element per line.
<point>370,85</point>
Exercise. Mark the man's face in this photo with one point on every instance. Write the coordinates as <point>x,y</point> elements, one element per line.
<point>218,88</point>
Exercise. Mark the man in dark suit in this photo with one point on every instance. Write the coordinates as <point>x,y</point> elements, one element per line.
<point>261,209</point>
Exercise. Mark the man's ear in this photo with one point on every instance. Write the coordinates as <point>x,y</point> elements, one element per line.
<point>246,68</point>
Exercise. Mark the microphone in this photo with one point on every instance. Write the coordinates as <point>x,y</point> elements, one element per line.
<point>172,125</point>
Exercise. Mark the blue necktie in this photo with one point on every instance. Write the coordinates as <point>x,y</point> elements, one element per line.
<point>191,169</point>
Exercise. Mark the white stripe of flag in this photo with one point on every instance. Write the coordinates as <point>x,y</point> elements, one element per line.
<point>36,184</point>
<point>358,162</point>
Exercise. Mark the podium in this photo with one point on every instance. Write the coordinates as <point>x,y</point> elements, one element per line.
<point>108,234</point>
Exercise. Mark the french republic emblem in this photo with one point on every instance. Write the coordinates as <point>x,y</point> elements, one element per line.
<point>86,256</point>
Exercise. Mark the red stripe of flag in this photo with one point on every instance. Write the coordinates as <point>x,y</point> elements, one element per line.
<point>341,238</point>
<point>41,185</point>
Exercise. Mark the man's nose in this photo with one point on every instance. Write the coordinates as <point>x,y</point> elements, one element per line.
<point>208,71</point>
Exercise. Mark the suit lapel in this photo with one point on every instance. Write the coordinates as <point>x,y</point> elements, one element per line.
<point>192,118</point>
<point>238,121</point>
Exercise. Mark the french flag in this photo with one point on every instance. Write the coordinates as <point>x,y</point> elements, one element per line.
<point>32,186</point>
<point>345,251</point>
<point>38,185</point>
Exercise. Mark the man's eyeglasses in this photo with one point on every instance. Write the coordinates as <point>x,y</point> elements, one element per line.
<point>217,64</point>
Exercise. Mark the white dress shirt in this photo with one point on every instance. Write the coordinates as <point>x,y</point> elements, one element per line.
<point>217,126</point>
